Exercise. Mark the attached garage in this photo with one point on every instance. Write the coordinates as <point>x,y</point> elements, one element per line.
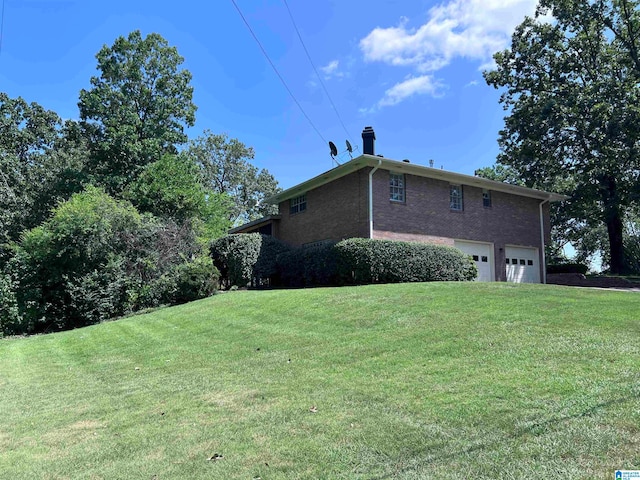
<point>523,264</point>
<point>482,254</point>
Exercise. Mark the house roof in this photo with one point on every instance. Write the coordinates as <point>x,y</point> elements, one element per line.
<point>413,169</point>
<point>255,223</point>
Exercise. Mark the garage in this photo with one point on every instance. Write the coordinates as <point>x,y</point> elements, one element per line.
<point>482,254</point>
<point>523,264</point>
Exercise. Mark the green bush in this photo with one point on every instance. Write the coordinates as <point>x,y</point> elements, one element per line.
<point>9,313</point>
<point>363,261</point>
<point>98,258</point>
<point>568,268</point>
<point>235,257</point>
<point>308,267</point>
<point>265,271</point>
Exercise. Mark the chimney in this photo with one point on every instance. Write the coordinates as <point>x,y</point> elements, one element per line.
<point>368,141</point>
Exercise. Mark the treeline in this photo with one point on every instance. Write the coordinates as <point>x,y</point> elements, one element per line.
<point>113,212</point>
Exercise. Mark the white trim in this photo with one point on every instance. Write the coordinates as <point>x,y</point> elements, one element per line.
<point>371,197</point>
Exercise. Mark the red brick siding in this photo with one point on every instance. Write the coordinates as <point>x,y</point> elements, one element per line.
<point>335,211</point>
<point>511,220</point>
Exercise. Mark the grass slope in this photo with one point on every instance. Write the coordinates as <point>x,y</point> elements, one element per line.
<point>410,381</point>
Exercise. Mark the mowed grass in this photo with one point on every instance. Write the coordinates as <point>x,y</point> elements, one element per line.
<point>410,381</point>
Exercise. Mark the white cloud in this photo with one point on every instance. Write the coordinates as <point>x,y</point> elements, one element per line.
<point>421,85</point>
<point>471,29</point>
<point>331,70</point>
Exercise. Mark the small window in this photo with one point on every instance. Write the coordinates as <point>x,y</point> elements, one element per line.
<point>484,259</point>
<point>522,262</point>
<point>298,204</point>
<point>507,261</point>
<point>486,198</point>
<point>475,258</point>
<point>455,197</point>
<point>530,262</point>
<point>396,187</point>
<point>514,261</point>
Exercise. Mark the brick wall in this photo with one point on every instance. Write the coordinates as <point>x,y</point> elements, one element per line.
<point>334,211</point>
<point>426,215</point>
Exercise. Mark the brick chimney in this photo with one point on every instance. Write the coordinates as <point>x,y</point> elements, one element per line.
<point>368,141</point>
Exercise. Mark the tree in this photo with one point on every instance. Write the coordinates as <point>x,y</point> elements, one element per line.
<point>226,168</point>
<point>28,133</point>
<point>172,188</point>
<point>137,108</point>
<point>574,113</point>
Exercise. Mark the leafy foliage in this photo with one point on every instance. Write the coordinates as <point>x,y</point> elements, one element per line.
<point>136,110</point>
<point>235,257</point>
<point>364,261</point>
<point>571,89</point>
<point>226,168</point>
<point>9,313</point>
<point>172,188</point>
<point>97,258</point>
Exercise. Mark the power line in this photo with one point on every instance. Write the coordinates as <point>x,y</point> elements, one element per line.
<point>316,70</point>
<point>276,70</point>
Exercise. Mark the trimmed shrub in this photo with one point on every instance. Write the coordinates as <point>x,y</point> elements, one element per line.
<point>362,261</point>
<point>235,257</point>
<point>309,267</point>
<point>194,280</point>
<point>265,271</point>
<point>568,268</point>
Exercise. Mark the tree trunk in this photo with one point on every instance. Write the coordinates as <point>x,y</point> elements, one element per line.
<point>616,247</point>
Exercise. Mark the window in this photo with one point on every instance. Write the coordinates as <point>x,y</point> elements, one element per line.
<point>455,197</point>
<point>530,263</point>
<point>485,259</point>
<point>507,261</point>
<point>486,198</point>
<point>298,204</point>
<point>396,187</point>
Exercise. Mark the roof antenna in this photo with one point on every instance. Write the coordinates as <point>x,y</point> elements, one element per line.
<point>349,149</point>
<point>334,152</point>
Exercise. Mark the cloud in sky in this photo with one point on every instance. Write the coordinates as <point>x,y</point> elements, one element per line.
<point>424,84</point>
<point>471,29</point>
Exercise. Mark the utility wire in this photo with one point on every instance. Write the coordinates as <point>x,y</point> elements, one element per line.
<point>276,70</point>
<point>316,70</point>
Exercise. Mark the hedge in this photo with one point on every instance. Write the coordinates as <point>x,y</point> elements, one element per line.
<point>568,268</point>
<point>363,261</point>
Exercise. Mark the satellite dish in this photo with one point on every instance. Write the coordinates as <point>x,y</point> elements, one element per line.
<point>349,149</point>
<point>334,150</point>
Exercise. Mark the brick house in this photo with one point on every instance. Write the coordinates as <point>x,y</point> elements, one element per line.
<point>503,227</point>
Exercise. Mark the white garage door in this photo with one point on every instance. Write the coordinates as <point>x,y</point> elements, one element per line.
<point>523,265</point>
<point>482,254</point>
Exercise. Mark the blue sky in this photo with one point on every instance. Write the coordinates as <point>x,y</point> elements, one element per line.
<point>412,69</point>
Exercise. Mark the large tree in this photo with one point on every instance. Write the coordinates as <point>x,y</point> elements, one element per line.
<point>28,134</point>
<point>573,102</point>
<point>226,167</point>
<point>137,108</point>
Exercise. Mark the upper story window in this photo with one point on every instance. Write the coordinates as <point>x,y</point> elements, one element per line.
<point>455,197</point>
<point>396,187</point>
<point>486,198</point>
<point>298,204</point>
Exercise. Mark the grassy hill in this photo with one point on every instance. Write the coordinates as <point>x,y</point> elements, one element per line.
<point>406,381</point>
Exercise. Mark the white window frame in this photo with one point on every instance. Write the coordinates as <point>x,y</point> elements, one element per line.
<point>456,198</point>
<point>397,190</point>
<point>298,204</point>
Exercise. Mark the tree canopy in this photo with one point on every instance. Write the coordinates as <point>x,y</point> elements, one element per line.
<point>573,123</point>
<point>137,108</point>
<point>226,168</point>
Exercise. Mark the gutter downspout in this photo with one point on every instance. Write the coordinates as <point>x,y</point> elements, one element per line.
<point>544,256</point>
<point>371,197</point>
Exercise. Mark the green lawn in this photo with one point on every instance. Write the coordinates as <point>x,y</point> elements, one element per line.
<point>442,380</point>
